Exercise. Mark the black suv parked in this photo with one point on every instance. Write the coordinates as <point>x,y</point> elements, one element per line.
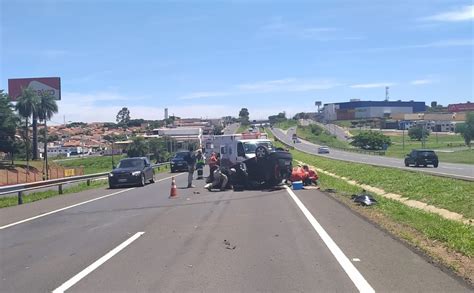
<point>178,162</point>
<point>422,157</point>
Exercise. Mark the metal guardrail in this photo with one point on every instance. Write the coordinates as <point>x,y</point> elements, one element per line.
<point>21,188</point>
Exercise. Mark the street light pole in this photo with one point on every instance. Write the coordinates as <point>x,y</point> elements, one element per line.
<point>403,137</point>
<point>113,164</point>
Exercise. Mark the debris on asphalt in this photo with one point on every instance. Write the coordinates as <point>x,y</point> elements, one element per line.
<point>196,192</point>
<point>276,235</point>
<point>190,266</point>
<point>229,246</point>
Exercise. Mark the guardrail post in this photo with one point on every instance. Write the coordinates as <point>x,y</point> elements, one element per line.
<point>20,197</point>
<point>88,182</point>
<point>60,189</point>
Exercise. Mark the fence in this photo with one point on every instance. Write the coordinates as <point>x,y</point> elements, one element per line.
<point>18,176</point>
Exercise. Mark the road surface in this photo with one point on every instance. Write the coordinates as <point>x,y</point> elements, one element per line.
<point>460,171</point>
<point>231,128</point>
<point>137,240</point>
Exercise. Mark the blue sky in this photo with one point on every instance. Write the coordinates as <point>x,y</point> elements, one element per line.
<point>210,58</point>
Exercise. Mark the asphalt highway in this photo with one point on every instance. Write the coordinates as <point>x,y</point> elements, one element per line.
<point>139,240</point>
<point>231,128</point>
<point>460,171</point>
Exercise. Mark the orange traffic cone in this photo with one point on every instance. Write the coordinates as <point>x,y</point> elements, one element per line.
<point>174,190</point>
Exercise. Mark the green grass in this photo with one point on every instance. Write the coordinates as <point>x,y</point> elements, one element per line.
<point>451,194</point>
<point>286,124</point>
<point>92,164</point>
<point>455,235</point>
<point>242,128</point>
<point>402,146</point>
<point>35,196</point>
<point>323,139</point>
<point>343,123</point>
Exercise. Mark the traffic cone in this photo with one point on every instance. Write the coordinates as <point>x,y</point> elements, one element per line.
<point>174,190</point>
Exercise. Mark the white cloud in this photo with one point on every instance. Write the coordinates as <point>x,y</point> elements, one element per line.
<point>76,111</point>
<point>436,44</point>
<point>464,13</point>
<point>198,95</point>
<point>90,98</point>
<point>421,81</point>
<point>287,85</point>
<point>278,27</point>
<point>278,85</point>
<point>372,85</point>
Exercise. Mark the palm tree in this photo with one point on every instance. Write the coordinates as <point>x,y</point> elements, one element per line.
<point>47,107</point>
<point>26,105</point>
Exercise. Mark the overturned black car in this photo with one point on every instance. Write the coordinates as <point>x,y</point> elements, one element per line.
<point>267,169</point>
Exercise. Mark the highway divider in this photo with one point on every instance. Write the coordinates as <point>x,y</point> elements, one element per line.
<point>20,189</point>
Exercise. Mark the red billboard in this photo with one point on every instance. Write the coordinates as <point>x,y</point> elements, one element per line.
<point>463,107</point>
<point>40,85</point>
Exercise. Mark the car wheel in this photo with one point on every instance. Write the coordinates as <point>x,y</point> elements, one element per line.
<point>417,165</point>
<point>425,165</point>
<point>261,152</point>
<point>142,181</point>
<point>152,180</point>
<point>435,165</point>
<point>173,170</point>
<point>407,164</point>
<point>111,186</point>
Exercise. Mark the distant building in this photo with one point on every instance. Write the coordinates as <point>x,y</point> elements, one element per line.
<point>462,107</point>
<point>182,136</point>
<point>356,109</point>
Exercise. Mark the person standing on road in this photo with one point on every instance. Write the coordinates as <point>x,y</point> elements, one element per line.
<point>191,160</point>
<point>213,163</point>
<point>200,162</point>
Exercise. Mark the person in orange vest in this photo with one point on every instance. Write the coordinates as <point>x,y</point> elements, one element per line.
<point>298,174</point>
<point>213,163</point>
<point>312,177</point>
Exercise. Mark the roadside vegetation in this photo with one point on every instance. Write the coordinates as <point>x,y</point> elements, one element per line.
<point>422,229</point>
<point>242,128</point>
<point>91,165</point>
<point>450,147</point>
<point>318,135</point>
<point>286,124</point>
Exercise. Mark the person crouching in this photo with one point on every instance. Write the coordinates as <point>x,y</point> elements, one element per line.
<point>312,176</point>
<point>220,180</point>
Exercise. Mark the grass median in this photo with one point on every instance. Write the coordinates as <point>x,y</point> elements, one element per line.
<point>91,164</point>
<point>451,194</point>
<point>449,242</point>
<point>75,188</point>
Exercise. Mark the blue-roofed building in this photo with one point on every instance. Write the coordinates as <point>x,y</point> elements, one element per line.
<point>356,109</point>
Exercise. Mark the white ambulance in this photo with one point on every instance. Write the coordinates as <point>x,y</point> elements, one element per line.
<point>235,148</point>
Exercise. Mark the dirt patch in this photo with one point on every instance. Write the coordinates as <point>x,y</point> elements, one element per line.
<point>437,252</point>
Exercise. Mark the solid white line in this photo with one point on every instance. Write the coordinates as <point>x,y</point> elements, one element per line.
<point>75,205</point>
<point>62,209</point>
<point>71,282</point>
<point>356,277</point>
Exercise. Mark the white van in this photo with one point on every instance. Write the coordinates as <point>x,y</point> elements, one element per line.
<point>237,148</point>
